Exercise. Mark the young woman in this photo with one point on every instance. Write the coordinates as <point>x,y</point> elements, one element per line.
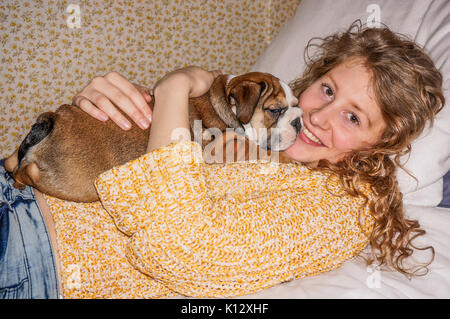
<point>366,94</point>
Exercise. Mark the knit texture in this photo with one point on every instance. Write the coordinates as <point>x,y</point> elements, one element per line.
<point>227,230</point>
<point>92,255</point>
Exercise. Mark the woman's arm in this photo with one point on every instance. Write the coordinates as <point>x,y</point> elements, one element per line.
<point>105,95</point>
<point>226,230</point>
<point>171,112</point>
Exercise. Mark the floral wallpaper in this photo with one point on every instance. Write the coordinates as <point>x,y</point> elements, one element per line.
<point>51,49</point>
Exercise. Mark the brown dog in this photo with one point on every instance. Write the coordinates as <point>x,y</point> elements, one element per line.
<point>66,150</point>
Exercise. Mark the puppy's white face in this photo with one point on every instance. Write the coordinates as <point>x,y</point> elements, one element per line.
<point>288,127</point>
<point>277,124</point>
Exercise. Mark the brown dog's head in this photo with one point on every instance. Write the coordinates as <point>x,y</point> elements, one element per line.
<point>267,109</point>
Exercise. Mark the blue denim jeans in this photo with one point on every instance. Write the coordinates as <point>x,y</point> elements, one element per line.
<point>27,263</point>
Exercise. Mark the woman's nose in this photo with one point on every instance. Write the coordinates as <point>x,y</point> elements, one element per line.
<point>321,117</point>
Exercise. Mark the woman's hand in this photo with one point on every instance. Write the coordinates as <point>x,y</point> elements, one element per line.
<point>195,80</point>
<point>104,95</point>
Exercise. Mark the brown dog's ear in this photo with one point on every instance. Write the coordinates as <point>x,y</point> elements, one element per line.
<point>249,91</point>
<point>12,161</point>
<point>26,174</point>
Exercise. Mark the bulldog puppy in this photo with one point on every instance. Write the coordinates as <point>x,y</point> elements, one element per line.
<point>67,149</point>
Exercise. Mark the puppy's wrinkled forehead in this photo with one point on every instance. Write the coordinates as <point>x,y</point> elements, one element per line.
<point>290,98</point>
<point>283,93</point>
<point>279,89</point>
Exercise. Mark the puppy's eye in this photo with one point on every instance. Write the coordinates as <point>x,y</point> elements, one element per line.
<point>276,112</point>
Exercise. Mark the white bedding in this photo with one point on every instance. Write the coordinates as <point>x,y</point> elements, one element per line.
<point>355,280</point>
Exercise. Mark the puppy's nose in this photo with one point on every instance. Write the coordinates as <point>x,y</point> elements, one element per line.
<point>297,124</point>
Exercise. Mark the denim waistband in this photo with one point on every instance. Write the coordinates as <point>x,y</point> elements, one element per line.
<point>27,264</point>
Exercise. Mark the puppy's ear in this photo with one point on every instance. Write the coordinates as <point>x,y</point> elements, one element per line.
<point>249,92</point>
<point>26,174</point>
<point>11,162</point>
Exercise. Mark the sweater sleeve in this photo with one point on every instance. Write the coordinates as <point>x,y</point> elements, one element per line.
<point>228,230</point>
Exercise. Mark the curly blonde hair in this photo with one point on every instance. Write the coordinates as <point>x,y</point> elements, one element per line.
<point>408,88</point>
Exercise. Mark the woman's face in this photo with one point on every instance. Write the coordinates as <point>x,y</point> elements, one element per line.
<point>340,114</point>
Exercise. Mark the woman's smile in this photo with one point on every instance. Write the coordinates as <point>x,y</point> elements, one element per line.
<point>308,137</point>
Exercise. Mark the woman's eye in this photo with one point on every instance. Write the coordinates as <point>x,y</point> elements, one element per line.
<point>327,90</point>
<point>353,118</point>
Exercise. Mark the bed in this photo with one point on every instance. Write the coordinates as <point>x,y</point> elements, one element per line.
<point>427,200</point>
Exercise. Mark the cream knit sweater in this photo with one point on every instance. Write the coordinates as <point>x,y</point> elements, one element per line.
<point>185,227</point>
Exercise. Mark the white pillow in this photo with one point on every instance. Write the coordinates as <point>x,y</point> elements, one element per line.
<point>425,21</point>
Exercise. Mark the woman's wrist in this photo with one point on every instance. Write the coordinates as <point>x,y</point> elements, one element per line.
<point>171,111</point>
<point>176,82</point>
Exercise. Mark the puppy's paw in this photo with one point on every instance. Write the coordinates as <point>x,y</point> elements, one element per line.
<point>19,185</point>
<point>11,162</point>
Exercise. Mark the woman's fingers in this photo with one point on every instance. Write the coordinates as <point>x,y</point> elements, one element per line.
<point>115,96</point>
<point>146,93</point>
<point>138,106</point>
<point>104,96</point>
<point>103,109</point>
<point>84,104</point>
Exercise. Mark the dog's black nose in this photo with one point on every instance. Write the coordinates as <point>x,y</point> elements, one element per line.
<point>297,124</point>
